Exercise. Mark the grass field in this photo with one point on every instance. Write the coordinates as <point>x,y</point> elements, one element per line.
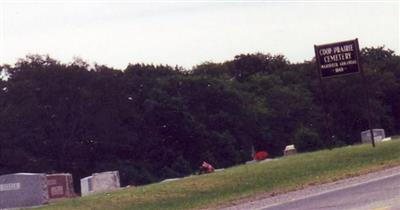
<point>281,175</point>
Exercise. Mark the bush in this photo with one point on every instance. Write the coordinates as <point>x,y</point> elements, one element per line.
<point>306,140</point>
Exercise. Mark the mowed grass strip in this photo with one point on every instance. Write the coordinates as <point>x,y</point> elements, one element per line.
<point>211,190</point>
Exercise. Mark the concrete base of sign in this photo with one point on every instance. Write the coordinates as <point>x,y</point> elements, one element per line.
<point>379,135</point>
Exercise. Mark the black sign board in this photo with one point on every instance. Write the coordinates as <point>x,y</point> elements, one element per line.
<point>338,58</point>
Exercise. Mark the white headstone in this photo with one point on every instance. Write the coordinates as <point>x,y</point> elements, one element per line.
<point>100,182</point>
<point>23,190</point>
<point>289,150</point>
<point>86,186</point>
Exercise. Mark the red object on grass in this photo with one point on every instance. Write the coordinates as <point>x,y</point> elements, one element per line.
<point>261,155</point>
<point>206,167</point>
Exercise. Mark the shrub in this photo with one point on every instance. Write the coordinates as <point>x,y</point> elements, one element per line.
<point>306,140</point>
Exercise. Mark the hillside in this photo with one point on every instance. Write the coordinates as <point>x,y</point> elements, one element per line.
<point>277,176</point>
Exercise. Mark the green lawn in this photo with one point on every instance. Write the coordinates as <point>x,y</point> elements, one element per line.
<point>276,176</point>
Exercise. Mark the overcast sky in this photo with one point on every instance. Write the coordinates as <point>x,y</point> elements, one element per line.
<point>187,33</point>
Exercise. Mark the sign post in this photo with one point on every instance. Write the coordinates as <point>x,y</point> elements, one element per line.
<point>339,59</point>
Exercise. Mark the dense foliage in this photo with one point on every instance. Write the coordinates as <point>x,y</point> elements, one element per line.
<point>154,122</point>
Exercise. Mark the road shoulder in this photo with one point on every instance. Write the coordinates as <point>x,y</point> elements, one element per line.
<point>270,199</point>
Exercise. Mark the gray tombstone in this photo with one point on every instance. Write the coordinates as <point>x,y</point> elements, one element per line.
<point>106,181</point>
<point>379,135</point>
<point>23,190</point>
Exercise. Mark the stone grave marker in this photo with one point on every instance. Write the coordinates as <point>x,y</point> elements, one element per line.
<point>86,186</point>
<point>60,186</point>
<point>23,190</point>
<point>289,150</point>
<point>100,182</point>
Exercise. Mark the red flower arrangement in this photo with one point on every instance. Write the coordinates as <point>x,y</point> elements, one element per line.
<point>261,155</point>
<point>206,168</point>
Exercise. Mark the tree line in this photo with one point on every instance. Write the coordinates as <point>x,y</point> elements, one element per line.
<point>153,122</point>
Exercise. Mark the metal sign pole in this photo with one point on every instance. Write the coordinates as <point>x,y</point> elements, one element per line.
<point>366,93</point>
<point>327,135</point>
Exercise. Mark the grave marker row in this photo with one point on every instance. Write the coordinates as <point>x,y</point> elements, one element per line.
<point>30,189</point>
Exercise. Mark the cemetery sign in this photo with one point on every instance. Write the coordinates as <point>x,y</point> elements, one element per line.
<point>338,58</point>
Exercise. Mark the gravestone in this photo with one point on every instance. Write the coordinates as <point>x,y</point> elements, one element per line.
<point>289,150</point>
<point>100,182</point>
<point>23,190</point>
<point>60,186</point>
<point>379,135</point>
<point>106,181</point>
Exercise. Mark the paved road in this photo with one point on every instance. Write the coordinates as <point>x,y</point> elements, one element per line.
<point>378,194</point>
